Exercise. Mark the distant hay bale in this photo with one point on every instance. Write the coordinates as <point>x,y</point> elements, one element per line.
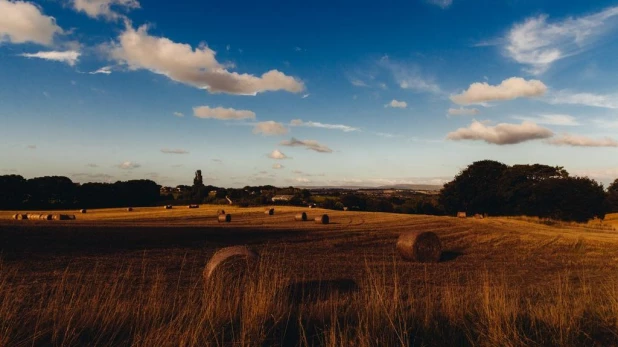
<point>32,216</point>
<point>301,217</point>
<point>63,217</point>
<point>420,246</point>
<point>83,210</point>
<point>46,217</point>
<point>168,207</point>
<point>323,219</point>
<point>461,215</point>
<point>478,216</point>
<point>224,218</point>
<point>20,216</point>
<point>129,209</point>
<point>194,206</point>
<point>269,211</point>
<point>231,264</point>
<point>220,212</point>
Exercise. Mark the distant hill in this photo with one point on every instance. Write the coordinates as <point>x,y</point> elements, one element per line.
<point>429,187</point>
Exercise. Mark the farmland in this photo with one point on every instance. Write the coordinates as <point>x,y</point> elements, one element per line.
<point>135,278</point>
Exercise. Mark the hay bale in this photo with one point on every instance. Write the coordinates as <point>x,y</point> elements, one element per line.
<point>32,216</point>
<point>269,211</point>
<point>461,215</point>
<point>224,218</point>
<point>129,209</point>
<point>194,206</point>
<point>231,264</point>
<point>20,216</point>
<point>168,207</point>
<point>323,219</point>
<point>420,246</point>
<point>83,210</point>
<point>301,217</point>
<point>46,217</point>
<point>63,217</point>
<point>220,212</point>
<point>478,216</point>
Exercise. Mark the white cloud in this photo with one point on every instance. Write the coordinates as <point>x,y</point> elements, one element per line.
<point>22,22</point>
<point>128,165</point>
<point>308,144</point>
<point>302,180</point>
<point>278,166</point>
<point>587,99</point>
<point>277,154</point>
<point>179,114</point>
<point>196,67</point>
<point>582,141</point>
<point>174,151</point>
<point>103,8</point>
<point>538,44</point>
<point>68,57</point>
<point>509,89</point>
<point>551,119</point>
<point>222,113</point>
<point>305,96</point>
<point>309,124</point>
<point>397,104</point>
<point>501,134</point>
<point>463,111</point>
<point>442,3</point>
<point>106,70</point>
<point>270,128</point>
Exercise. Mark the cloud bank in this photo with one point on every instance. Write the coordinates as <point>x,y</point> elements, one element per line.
<point>501,134</point>
<point>509,89</point>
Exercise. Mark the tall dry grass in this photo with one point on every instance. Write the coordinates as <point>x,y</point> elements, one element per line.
<point>138,304</point>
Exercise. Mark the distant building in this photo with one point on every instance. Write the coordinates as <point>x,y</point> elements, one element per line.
<point>197,181</point>
<point>282,198</point>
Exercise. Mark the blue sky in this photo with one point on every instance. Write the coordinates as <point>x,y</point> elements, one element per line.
<point>322,93</point>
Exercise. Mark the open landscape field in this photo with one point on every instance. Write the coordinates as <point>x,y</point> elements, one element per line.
<point>113,277</point>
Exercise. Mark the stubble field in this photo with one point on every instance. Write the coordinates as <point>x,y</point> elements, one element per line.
<point>114,277</point>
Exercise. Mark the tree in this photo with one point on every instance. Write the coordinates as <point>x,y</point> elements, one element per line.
<point>573,199</point>
<point>12,191</point>
<point>475,189</point>
<point>612,197</point>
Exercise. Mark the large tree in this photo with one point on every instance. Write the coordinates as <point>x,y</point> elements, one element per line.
<point>612,197</point>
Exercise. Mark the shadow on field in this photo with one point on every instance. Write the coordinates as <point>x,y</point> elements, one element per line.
<point>16,240</point>
<point>318,290</point>
<point>450,255</point>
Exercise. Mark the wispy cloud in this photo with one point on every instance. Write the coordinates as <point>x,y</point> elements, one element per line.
<point>358,83</point>
<point>105,70</point>
<point>509,89</point>
<point>270,128</point>
<point>179,114</point>
<point>537,43</point>
<point>277,154</point>
<point>67,57</point>
<point>586,99</point>
<point>410,77</point>
<point>92,165</point>
<point>103,8</point>
<point>550,119</point>
<point>501,134</point>
<point>278,166</point>
<point>31,146</point>
<point>301,123</point>
<point>582,141</point>
<point>174,151</point>
<point>222,113</point>
<point>90,177</point>
<point>463,111</point>
<point>308,144</point>
<point>444,4</point>
<point>305,96</point>
<point>397,104</point>
<point>128,165</point>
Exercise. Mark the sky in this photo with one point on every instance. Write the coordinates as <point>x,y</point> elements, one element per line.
<point>306,94</point>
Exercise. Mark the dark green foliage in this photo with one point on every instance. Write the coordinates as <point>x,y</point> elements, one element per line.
<point>573,199</point>
<point>12,191</point>
<point>612,197</point>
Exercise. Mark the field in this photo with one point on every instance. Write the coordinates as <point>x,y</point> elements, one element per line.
<point>121,278</point>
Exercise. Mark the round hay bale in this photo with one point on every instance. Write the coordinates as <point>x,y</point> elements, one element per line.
<point>129,209</point>
<point>301,217</point>
<point>420,246</point>
<point>194,206</point>
<point>21,216</point>
<point>269,211</point>
<point>46,217</point>
<point>70,216</point>
<point>461,215</point>
<point>56,217</point>
<point>323,219</point>
<point>231,264</point>
<point>32,216</point>
<point>168,207</point>
<point>220,212</point>
<point>83,210</point>
<point>224,218</point>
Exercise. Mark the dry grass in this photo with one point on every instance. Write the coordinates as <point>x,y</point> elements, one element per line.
<point>135,279</point>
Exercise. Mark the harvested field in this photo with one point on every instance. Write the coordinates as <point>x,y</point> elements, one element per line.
<point>116,278</point>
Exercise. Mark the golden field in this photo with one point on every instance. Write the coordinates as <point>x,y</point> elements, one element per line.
<point>121,278</point>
